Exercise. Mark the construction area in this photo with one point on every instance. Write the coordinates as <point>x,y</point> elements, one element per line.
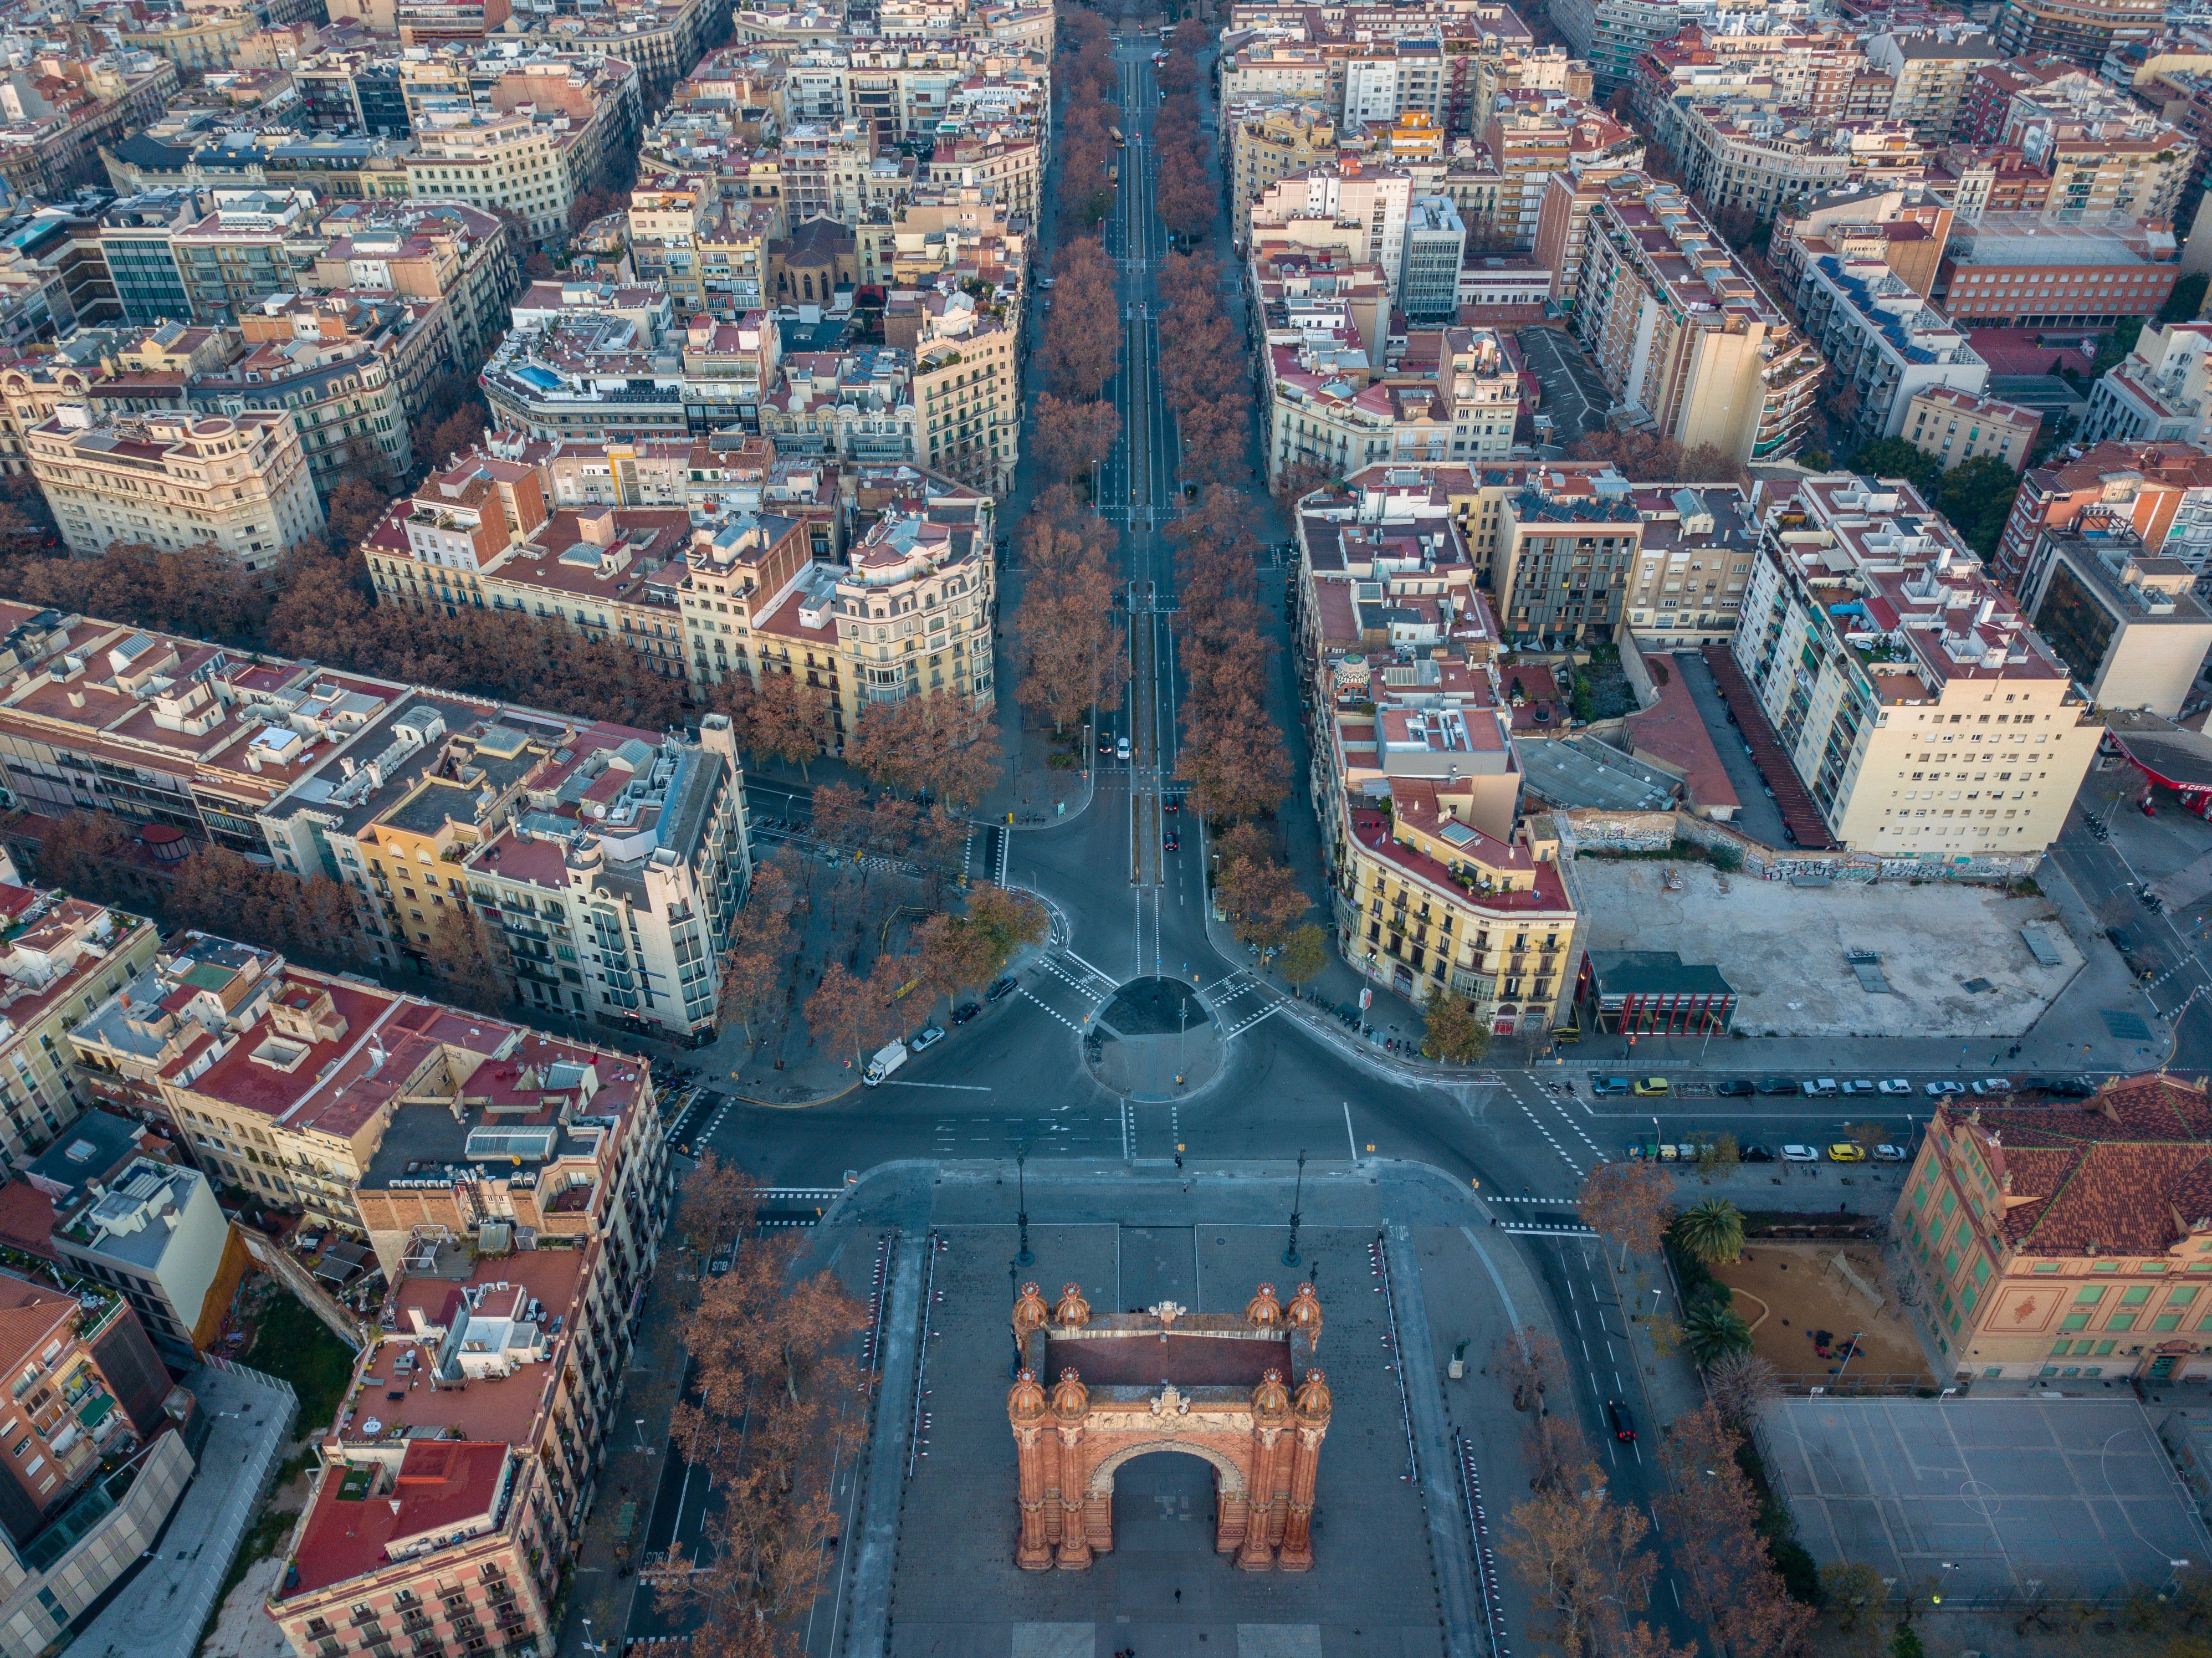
<point>1890,959</point>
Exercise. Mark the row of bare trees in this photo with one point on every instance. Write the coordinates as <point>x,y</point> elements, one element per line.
<point>1089,80</point>
<point>1074,652</point>
<point>1202,371</point>
<point>777,1402</point>
<point>1183,194</point>
<point>1232,755</point>
<point>852,1013</point>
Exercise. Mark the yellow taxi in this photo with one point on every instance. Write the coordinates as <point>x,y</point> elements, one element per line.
<point>1652,1087</point>
<point>1846,1152</point>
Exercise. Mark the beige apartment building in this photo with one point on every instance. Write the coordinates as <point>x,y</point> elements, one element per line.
<point>2064,1241</point>
<point>239,482</point>
<point>1925,717</point>
<point>1683,335</point>
<point>1263,147</point>
<point>61,956</point>
<point>968,404</point>
<point>1956,426</point>
<point>529,167</point>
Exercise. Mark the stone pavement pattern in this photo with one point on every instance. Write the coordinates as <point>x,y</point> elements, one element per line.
<point>1371,1591</point>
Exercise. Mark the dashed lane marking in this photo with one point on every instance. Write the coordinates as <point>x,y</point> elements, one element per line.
<point>1245,1024</point>
<point>1544,1231</point>
<point>1050,1008</point>
<point>1550,1138</point>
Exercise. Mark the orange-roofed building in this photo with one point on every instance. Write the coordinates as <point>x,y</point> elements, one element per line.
<point>2065,1239</point>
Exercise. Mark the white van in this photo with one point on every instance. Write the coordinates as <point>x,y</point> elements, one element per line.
<point>888,1058</point>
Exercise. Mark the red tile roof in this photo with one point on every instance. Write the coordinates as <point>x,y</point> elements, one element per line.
<point>443,1486</point>
<point>2129,1172</point>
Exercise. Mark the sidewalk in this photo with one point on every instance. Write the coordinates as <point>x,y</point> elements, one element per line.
<point>601,1598</point>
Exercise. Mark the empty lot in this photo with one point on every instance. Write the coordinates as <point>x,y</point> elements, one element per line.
<point>1784,948</point>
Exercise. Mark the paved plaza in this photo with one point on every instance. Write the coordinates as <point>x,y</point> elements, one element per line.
<point>957,1590</point>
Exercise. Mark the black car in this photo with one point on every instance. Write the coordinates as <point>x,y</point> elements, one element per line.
<point>2059,1087</point>
<point>1753,1154</point>
<point>2121,941</point>
<point>966,1011</point>
<point>1173,842</point>
<point>1778,1084</point>
<point>1002,987</point>
<point>1736,1088</point>
<point>1624,1425</point>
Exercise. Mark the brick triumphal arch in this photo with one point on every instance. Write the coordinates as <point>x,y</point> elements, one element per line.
<point>1239,1392</point>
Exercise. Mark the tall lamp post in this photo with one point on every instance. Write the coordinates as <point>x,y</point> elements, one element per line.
<point>1291,1255</point>
<point>1014,1290</point>
<point>1022,1213</point>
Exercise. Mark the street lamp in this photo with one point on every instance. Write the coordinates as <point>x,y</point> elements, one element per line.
<point>1014,1294</point>
<point>1291,1255</point>
<point>1022,1214</point>
<point>589,1645</point>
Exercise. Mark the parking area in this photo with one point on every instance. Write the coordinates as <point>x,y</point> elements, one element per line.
<point>1574,394</point>
<point>1947,960</point>
<point>1757,814</point>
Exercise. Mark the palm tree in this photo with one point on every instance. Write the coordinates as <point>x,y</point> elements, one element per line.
<point>1712,1230</point>
<point>1713,1329</point>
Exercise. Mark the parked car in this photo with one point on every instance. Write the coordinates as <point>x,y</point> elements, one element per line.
<point>1887,1153</point>
<point>2061,1087</point>
<point>1858,1088</point>
<point>1624,1425</point>
<point>928,1036</point>
<point>1105,742</point>
<point>1821,1087</point>
<point>1794,1153</point>
<point>1648,1087</point>
<point>1002,986</point>
<point>966,1011</point>
<point>1936,1090</point>
<point>1670,1153</point>
<point>2121,941</point>
<point>1893,1085</point>
<point>1986,1086</point>
<point>1846,1152</point>
<point>1753,1153</point>
<point>1778,1084</point>
<point>1736,1088</point>
<point>1603,1086</point>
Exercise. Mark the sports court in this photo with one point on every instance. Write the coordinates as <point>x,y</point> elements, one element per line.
<point>1999,1498</point>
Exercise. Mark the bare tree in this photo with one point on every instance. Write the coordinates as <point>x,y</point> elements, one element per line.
<point>1629,1203</point>
<point>1531,1363</point>
<point>1738,1384</point>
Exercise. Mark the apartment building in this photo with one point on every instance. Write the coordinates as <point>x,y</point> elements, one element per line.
<point>966,394</point>
<point>93,1389</point>
<point>468,259</point>
<point>857,405</point>
<point>61,108</point>
<point>62,955</point>
<point>1883,342</point>
<point>1611,34</point>
<point>351,369</point>
<point>1907,229</point>
<point>136,237</point>
<point>157,1236</point>
<point>1932,69</point>
<point>240,482</point>
<point>2082,31</point>
<point>242,252</point>
<point>1927,718</point>
<point>1005,162</point>
<point>1273,141</point>
<point>652,864</point>
<point>1444,891</point>
<point>2159,393</point>
<point>2120,616</point>
<point>510,160</point>
<point>590,362</point>
<point>2165,490</point>
<point>1956,426</point>
<point>2057,1243</point>
<point>1757,157</point>
<point>907,612</point>
<point>1356,207</point>
<point>1682,335</point>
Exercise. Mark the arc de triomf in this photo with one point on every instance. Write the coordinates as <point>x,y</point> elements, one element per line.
<point>1214,1386</point>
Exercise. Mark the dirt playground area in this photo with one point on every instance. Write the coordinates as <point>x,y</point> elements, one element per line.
<point>1803,1309</point>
